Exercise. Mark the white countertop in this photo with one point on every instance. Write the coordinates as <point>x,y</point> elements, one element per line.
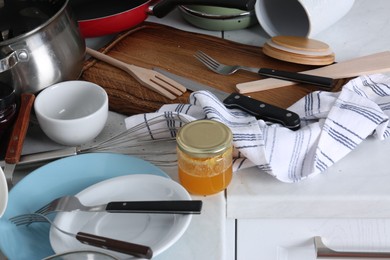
<point>354,187</point>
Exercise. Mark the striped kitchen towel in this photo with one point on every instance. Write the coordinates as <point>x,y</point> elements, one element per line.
<point>333,124</point>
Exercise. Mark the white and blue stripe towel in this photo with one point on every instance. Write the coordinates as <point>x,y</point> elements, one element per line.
<point>333,124</point>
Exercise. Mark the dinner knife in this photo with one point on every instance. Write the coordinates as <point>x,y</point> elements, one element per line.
<point>257,108</point>
<point>137,250</point>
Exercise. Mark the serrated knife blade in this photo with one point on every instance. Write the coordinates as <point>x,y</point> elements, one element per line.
<point>257,108</point>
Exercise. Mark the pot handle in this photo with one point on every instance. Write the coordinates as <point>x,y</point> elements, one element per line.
<point>12,59</point>
<point>162,8</point>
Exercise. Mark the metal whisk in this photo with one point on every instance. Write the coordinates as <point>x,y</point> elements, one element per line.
<point>153,140</point>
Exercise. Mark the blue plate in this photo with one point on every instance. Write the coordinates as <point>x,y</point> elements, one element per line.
<point>66,176</point>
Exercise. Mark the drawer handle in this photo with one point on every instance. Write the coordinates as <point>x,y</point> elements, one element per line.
<point>325,252</point>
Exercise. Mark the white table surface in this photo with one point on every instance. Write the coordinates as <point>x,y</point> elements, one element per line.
<point>354,187</point>
<point>364,30</point>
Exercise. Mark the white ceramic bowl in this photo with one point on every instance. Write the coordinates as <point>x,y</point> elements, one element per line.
<point>72,112</point>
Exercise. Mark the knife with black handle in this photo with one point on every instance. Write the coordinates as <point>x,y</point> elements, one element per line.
<point>257,108</point>
<point>263,110</point>
<point>163,206</point>
<point>323,82</point>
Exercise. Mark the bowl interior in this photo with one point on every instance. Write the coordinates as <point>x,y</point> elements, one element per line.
<point>70,100</point>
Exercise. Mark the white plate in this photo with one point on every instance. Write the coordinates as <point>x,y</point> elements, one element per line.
<point>3,193</point>
<point>159,231</point>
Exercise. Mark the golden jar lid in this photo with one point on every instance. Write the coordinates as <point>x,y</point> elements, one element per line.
<point>204,138</point>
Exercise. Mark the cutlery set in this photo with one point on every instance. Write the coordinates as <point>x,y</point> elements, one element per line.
<point>172,89</point>
<point>72,203</point>
<point>259,109</point>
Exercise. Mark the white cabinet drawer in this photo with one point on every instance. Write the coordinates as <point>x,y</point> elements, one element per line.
<point>293,239</point>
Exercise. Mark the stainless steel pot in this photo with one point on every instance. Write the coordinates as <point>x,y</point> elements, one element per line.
<point>40,44</point>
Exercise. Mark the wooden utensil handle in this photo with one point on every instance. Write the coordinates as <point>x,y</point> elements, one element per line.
<point>19,130</point>
<point>115,245</point>
<point>108,59</point>
<point>370,64</point>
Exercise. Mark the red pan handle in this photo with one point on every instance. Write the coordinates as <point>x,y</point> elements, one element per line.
<point>163,7</point>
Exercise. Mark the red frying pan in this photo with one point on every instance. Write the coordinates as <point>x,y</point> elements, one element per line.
<point>102,17</point>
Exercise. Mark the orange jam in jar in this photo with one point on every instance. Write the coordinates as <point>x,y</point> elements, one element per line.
<point>204,150</point>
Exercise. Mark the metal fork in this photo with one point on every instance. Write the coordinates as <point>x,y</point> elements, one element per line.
<point>89,239</point>
<point>223,69</point>
<point>65,203</point>
<point>70,203</point>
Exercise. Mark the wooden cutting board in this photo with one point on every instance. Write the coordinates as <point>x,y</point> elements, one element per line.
<point>154,45</point>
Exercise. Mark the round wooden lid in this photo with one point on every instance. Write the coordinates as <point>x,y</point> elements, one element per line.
<point>299,50</point>
<point>300,43</point>
<point>298,58</point>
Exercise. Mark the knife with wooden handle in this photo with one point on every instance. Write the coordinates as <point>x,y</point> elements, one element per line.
<point>129,248</point>
<point>18,134</point>
<point>370,64</point>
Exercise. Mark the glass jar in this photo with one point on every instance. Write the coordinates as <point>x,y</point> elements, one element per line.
<point>204,150</point>
<point>7,108</point>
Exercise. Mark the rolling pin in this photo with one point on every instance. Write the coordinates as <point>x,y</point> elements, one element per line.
<point>370,64</point>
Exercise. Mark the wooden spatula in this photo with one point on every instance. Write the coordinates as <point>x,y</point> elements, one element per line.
<point>371,64</point>
<point>146,77</point>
